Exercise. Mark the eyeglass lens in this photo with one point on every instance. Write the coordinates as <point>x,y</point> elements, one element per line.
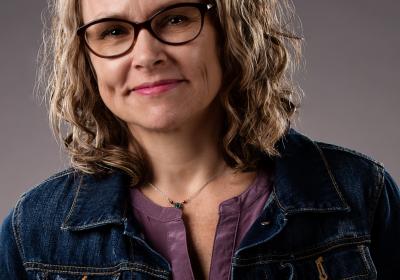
<point>114,37</point>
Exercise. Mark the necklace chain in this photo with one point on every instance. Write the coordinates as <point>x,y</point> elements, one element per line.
<point>180,204</point>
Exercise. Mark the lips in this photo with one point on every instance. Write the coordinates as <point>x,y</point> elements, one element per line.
<point>156,88</point>
<point>157,83</point>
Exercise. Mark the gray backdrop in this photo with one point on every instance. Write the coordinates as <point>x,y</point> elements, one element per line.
<point>350,80</point>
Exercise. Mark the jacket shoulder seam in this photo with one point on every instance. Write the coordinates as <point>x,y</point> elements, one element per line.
<point>375,196</point>
<point>328,146</point>
<point>58,175</point>
<point>15,222</point>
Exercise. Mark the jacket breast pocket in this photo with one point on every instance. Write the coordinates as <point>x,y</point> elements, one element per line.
<point>342,263</point>
<point>120,271</point>
<point>45,275</point>
<point>350,262</point>
<point>59,275</point>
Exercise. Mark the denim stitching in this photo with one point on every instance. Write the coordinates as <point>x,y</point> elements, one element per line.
<point>287,211</point>
<point>359,249</point>
<point>299,254</point>
<point>91,225</point>
<point>354,276</point>
<point>35,266</point>
<point>59,175</point>
<point>38,264</point>
<point>267,261</point>
<point>273,258</point>
<point>314,210</point>
<point>352,152</point>
<point>369,261</point>
<point>270,199</point>
<point>15,222</point>
<point>291,268</point>
<point>99,274</point>
<point>64,226</point>
<point>277,201</point>
<point>363,251</point>
<point>331,175</point>
<point>376,195</point>
<point>51,178</point>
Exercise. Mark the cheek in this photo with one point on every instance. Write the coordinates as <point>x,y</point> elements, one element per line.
<point>213,70</point>
<point>110,73</point>
<point>111,76</point>
<point>204,68</point>
<point>211,73</point>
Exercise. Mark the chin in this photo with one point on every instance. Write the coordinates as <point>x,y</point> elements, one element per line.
<point>161,126</point>
<point>163,129</point>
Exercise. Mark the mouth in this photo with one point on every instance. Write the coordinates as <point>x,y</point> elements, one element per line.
<point>157,88</point>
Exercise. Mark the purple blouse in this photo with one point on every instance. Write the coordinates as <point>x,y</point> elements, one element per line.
<point>165,231</point>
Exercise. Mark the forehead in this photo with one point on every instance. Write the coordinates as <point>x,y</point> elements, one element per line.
<point>136,10</point>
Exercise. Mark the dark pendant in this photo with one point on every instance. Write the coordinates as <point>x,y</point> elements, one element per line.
<point>178,205</point>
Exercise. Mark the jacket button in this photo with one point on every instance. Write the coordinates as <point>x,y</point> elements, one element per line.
<point>265,223</point>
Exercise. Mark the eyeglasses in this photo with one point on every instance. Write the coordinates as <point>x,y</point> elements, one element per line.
<point>177,24</point>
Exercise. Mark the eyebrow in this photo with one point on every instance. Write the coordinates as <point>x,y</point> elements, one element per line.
<point>152,12</point>
<point>124,16</point>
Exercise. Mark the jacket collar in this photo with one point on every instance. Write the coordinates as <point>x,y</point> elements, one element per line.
<point>303,183</point>
<point>98,201</point>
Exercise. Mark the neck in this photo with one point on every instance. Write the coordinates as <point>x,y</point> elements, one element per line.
<point>184,159</point>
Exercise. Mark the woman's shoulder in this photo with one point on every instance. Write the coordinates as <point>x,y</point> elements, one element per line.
<point>298,147</point>
<point>44,204</point>
<point>348,153</point>
<point>356,173</point>
<point>53,202</point>
<point>352,168</point>
<point>40,210</point>
<point>55,185</point>
<point>311,166</point>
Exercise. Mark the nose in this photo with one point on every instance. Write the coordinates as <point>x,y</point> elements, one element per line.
<point>147,53</point>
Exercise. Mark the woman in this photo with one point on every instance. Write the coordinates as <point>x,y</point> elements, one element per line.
<point>184,165</point>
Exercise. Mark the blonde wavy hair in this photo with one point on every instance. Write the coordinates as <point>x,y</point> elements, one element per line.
<point>258,52</point>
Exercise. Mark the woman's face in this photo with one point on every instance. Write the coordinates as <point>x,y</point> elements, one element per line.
<point>193,70</point>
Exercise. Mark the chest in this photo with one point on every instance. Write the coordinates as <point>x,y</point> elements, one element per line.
<point>201,232</point>
<point>213,235</point>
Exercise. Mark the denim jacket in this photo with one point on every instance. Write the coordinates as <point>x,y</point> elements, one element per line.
<point>333,214</point>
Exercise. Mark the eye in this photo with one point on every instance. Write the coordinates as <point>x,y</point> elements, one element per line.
<point>172,20</point>
<point>115,31</point>
<point>176,19</point>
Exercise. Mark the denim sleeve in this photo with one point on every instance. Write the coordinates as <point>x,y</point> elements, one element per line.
<point>10,260</point>
<point>385,238</point>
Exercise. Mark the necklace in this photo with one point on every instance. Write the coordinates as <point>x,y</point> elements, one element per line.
<point>180,204</point>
